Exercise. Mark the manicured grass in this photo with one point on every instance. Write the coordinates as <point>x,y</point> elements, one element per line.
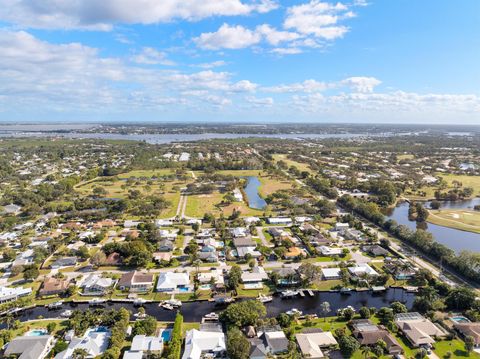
<point>328,324</point>
<point>147,173</point>
<point>455,346</point>
<point>199,204</point>
<point>326,284</point>
<point>299,165</point>
<point>467,181</point>
<point>458,219</point>
<point>268,184</point>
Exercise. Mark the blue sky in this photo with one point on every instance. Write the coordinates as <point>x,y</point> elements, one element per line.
<point>240,60</point>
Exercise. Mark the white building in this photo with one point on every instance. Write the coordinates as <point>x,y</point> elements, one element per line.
<point>94,342</point>
<point>201,343</point>
<point>362,269</point>
<point>171,281</point>
<point>8,294</point>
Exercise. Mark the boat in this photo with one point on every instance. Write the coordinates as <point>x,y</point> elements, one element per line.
<point>346,291</point>
<point>167,306</point>
<point>55,305</point>
<point>174,302</point>
<point>264,298</point>
<point>288,294</point>
<point>96,301</point>
<point>66,314</point>
<point>139,301</point>
<point>340,311</point>
<point>411,289</point>
<point>211,316</point>
<point>140,315</point>
<point>223,299</point>
<point>310,293</point>
<point>294,311</point>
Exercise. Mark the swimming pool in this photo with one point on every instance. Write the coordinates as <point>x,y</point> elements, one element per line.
<point>459,319</point>
<point>166,334</point>
<point>36,332</point>
<point>183,289</point>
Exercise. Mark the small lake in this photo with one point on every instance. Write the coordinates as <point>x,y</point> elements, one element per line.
<point>452,238</point>
<point>194,311</point>
<point>251,190</point>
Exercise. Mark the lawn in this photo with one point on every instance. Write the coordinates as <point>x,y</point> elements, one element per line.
<point>268,184</point>
<point>467,181</point>
<point>458,219</point>
<point>146,173</point>
<point>455,346</point>
<point>299,165</point>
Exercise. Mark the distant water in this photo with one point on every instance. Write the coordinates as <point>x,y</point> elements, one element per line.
<point>168,138</point>
<point>251,190</point>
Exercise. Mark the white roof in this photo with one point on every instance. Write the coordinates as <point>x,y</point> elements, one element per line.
<point>144,343</point>
<point>331,272</point>
<point>94,342</point>
<point>362,268</point>
<point>170,280</point>
<point>311,343</point>
<point>197,342</point>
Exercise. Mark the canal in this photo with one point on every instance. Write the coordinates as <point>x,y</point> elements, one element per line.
<point>251,190</point>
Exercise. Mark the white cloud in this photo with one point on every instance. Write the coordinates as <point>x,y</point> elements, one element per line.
<point>362,84</point>
<point>305,86</point>
<point>260,102</point>
<point>275,37</point>
<point>211,65</point>
<point>317,18</point>
<point>228,37</point>
<point>287,50</point>
<point>150,56</point>
<point>104,14</point>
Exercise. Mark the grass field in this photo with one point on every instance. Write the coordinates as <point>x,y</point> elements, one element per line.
<point>467,181</point>
<point>301,166</point>
<point>199,204</point>
<point>458,219</point>
<point>146,173</point>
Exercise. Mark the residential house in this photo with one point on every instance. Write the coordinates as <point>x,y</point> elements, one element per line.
<point>165,245</point>
<point>361,270</point>
<point>375,250</point>
<point>355,235</point>
<point>313,343</point>
<point>329,251</point>
<point>341,227</point>
<point>12,209</point>
<point>257,349</point>
<point>331,273</point>
<point>96,285</point>
<point>418,330</point>
<point>256,275</point>
<point>143,346</point>
<point>244,246</point>
<point>136,282</point>
<point>368,333</point>
<point>64,262</point>
<point>469,329</point>
<point>30,347</point>
<point>274,339</point>
<point>171,282</point>
<point>216,275</point>
<point>53,286</point>
<point>94,342</point>
<point>199,344</point>
<point>287,276</point>
<point>280,220</point>
<point>294,252</point>
<point>113,259</point>
<point>239,232</point>
<point>162,256</point>
<point>8,294</point>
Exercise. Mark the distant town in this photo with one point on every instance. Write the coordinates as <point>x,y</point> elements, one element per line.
<point>257,241</point>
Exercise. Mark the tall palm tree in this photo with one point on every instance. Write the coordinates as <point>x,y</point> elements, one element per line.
<point>366,351</point>
<point>325,308</point>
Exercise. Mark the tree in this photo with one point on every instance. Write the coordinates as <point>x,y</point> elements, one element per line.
<point>59,347</point>
<point>98,258</point>
<point>421,353</point>
<point>234,277</point>
<point>244,313</point>
<point>51,327</point>
<point>364,312</point>
<point>309,272</point>
<point>366,351</point>
<point>398,307</point>
<point>348,313</point>
<point>284,320</point>
<point>385,315</point>
<point>175,345</point>
<point>325,309</point>
<point>460,298</point>
<point>238,346</point>
<point>146,326</point>
<point>469,343</point>
<point>378,350</point>
<point>348,345</point>
<point>79,353</point>
<point>30,272</point>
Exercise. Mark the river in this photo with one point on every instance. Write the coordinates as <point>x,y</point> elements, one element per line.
<point>251,190</point>
<point>453,238</point>
<point>194,311</point>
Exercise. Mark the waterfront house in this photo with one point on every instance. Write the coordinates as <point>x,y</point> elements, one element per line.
<point>361,270</point>
<point>30,347</point>
<point>53,286</point>
<point>418,330</point>
<point>171,282</point>
<point>94,284</point>
<point>94,342</point>
<point>368,333</point>
<point>274,339</point>
<point>331,273</point>
<point>136,282</point>
<point>8,294</point>
<point>313,343</point>
<point>200,343</point>
<point>469,329</point>
<point>286,276</point>
<point>256,275</point>
<point>143,346</point>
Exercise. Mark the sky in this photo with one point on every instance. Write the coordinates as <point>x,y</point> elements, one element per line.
<point>385,61</point>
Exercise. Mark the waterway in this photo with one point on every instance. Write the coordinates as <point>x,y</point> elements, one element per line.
<point>251,190</point>
<point>194,311</point>
<point>453,238</point>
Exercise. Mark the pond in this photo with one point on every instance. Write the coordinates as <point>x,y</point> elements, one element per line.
<point>194,311</point>
<point>452,238</point>
<point>251,190</point>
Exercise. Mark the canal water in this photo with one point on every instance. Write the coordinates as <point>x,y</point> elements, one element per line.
<point>453,238</point>
<point>194,311</point>
<point>251,190</point>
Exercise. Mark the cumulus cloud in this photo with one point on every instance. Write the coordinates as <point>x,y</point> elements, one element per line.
<point>104,14</point>
<point>362,84</point>
<point>305,86</point>
<point>228,37</point>
<point>211,65</point>
<point>150,56</point>
<point>275,37</point>
<point>260,102</point>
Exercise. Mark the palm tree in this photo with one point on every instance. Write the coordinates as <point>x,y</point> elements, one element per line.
<point>366,351</point>
<point>79,354</point>
<point>325,308</point>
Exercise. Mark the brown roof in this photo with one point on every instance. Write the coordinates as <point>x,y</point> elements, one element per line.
<point>54,285</point>
<point>135,277</point>
<point>113,258</point>
<point>469,329</point>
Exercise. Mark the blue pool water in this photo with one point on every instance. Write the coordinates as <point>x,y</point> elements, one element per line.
<point>460,319</point>
<point>101,330</point>
<point>37,332</point>
<point>166,333</point>
<point>183,289</point>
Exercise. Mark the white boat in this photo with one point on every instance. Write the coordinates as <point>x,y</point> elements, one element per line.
<point>139,301</point>
<point>264,298</point>
<point>174,302</point>
<point>346,290</point>
<point>340,311</point>
<point>294,311</point>
<point>96,301</point>
<point>66,314</point>
<point>167,306</point>
<point>289,293</point>
<point>140,315</point>
<point>55,305</point>
<point>211,316</point>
